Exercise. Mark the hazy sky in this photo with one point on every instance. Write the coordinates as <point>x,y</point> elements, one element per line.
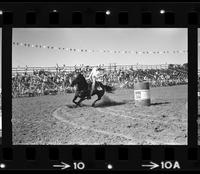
<point>135,39</point>
<point>0,54</point>
<point>198,49</point>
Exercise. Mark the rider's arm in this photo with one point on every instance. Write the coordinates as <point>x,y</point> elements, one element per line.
<point>91,73</point>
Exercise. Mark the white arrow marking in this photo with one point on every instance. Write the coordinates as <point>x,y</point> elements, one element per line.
<point>63,166</point>
<point>152,165</point>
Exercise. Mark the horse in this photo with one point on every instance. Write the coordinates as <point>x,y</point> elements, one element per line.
<point>83,89</point>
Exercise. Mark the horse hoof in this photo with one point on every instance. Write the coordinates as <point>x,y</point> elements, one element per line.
<point>79,105</point>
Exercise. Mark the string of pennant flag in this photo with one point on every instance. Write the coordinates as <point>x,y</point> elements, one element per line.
<point>98,50</point>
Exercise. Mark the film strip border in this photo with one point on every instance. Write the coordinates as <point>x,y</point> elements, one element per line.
<point>100,158</point>
<point>97,15</point>
<point>100,14</point>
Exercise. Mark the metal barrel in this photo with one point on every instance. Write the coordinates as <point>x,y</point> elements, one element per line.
<point>142,94</point>
<point>0,122</point>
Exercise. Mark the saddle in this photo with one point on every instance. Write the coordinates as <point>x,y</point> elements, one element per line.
<point>97,85</point>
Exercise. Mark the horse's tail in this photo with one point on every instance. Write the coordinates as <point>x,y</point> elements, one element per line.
<point>108,88</point>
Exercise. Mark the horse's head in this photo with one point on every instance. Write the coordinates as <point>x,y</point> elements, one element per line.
<point>78,79</point>
<point>73,81</point>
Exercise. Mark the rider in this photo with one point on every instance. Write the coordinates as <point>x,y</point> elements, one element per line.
<point>94,76</point>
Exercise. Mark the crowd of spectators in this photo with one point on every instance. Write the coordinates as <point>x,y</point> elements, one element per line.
<point>199,83</point>
<point>43,82</point>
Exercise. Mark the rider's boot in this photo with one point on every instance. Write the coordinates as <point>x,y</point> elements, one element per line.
<point>90,94</point>
<point>92,89</point>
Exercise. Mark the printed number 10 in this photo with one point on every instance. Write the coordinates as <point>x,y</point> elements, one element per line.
<point>79,165</point>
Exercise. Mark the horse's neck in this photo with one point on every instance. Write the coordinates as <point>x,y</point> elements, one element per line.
<point>83,83</point>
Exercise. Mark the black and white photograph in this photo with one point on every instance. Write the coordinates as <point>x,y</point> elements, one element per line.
<point>0,87</point>
<point>198,86</point>
<point>99,86</point>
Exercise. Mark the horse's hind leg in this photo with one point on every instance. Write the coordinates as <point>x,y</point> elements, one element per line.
<point>100,94</point>
<point>99,98</point>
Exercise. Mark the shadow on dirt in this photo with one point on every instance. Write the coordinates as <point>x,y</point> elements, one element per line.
<point>160,103</point>
<point>103,104</point>
<point>106,101</point>
<point>72,106</point>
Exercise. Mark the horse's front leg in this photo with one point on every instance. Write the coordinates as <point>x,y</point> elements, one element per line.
<point>99,98</point>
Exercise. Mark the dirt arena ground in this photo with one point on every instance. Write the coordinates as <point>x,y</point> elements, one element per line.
<point>0,122</point>
<point>198,121</point>
<point>115,120</point>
